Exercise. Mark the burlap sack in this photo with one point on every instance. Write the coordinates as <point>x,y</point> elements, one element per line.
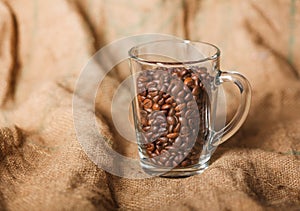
<point>45,44</point>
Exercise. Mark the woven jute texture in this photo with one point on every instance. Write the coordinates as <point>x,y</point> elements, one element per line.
<point>43,47</point>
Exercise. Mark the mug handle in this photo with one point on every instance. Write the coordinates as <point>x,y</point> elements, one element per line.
<point>243,109</point>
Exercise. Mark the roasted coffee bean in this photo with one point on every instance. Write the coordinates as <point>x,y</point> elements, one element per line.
<point>188,81</point>
<point>156,98</point>
<point>141,98</point>
<point>144,121</point>
<point>169,100</point>
<point>196,90</point>
<point>156,107</point>
<point>177,128</point>
<point>164,112</point>
<point>163,139</point>
<point>171,127</point>
<point>166,95</point>
<point>185,163</point>
<point>172,135</point>
<point>147,103</point>
<point>195,77</point>
<point>150,147</point>
<point>146,128</point>
<point>171,120</point>
<point>161,102</point>
<point>165,106</point>
<point>165,145</point>
<point>153,94</point>
<point>171,111</point>
<point>178,114</point>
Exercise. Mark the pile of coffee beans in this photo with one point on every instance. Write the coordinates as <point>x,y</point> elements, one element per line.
<point>173,114</point>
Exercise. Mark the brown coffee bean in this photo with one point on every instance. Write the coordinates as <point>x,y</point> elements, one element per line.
<point>165,106</point>
<point>169,100</point>
<point>165,145</point>
<point>161,102</point>
<point>171,112</point>
<point>183,72</point>
<point>153,93</point>
<point>195,77</point>
<point>144,121</point>
<point>164,112</point>
<point>146,128</point>
<point>150,147</point>
<point>152,156</point>
<point>183,121</point>
<point>141,98</point>
<point>188,81</point>
<point>156,98</point>
<point>177,128</point>
<point>171,120</point>
<point>157,152</point>
<point>166,95</point>
<point>170,129</point>
<point>156,107</point>
<point>196,90</point>
<point>163,139</point>
<point>185,163</point>
<point>147,103</point>
<point>172,135</point>
<point>179,113</point>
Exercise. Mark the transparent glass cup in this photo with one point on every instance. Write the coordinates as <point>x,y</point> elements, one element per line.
<point>175,103</point>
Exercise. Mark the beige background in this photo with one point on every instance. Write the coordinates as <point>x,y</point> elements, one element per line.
<point>43,47</point>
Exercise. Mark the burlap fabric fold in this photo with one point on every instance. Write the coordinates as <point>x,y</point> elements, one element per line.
<point>45,44</point>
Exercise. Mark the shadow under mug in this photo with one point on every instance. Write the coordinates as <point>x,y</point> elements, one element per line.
<point>174,109</point>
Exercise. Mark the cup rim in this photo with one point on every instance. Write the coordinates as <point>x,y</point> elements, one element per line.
<point>214,56</point>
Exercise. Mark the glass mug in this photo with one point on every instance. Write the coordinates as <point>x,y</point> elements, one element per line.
<point>175,102</point>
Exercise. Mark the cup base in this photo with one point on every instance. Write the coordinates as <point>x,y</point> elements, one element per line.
<point>175,172</point>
